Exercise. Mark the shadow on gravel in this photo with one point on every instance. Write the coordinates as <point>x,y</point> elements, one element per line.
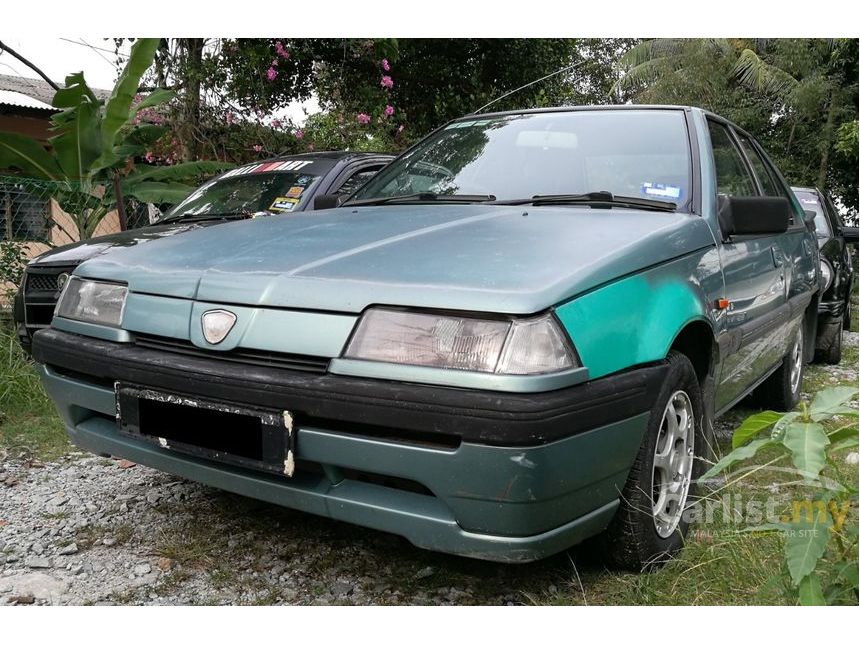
<point>340,563</point>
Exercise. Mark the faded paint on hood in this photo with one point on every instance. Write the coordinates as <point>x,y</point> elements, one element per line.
<point>475,257</point>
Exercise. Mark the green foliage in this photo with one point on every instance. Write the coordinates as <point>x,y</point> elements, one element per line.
<point>29,424</point>
<point>820,546</point>
<point>434,80</point>
<point>94,144</point>
<point>752,425</point>
<point>12,264</point>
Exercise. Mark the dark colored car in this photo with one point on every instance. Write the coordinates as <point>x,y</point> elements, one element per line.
<point>286,184</point>
<point>837,273</point>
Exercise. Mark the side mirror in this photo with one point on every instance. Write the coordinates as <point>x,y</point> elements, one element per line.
<point>850,234</point>
<point>754,215</point>
<point>324,202</point>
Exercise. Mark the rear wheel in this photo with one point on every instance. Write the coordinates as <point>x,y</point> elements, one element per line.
<point>781,390</point>
<point>650,525</point>
<point>828,345</point>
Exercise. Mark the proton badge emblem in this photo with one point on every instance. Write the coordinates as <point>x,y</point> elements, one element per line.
<point>217,323</point>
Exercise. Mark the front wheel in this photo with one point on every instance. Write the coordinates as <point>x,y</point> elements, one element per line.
<point>650,525</point>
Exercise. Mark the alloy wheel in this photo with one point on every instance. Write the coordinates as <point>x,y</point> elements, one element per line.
<point>673,463</point>
<point>796,359</point>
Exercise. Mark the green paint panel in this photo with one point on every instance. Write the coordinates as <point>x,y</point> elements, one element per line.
<point>632,321</point>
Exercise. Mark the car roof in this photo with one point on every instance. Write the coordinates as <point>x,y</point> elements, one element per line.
<point>331,155</point>
<point>578,108</point>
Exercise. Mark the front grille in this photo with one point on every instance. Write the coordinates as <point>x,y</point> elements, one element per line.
<point>45,278</point>
<point>42,282</point>
<point>296,362</point>
<point>40,295</point>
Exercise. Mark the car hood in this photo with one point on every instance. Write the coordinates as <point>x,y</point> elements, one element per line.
<point>79,251</point>
<point>475,257</point>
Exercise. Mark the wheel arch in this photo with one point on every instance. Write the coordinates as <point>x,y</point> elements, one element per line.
<point>697,342</point>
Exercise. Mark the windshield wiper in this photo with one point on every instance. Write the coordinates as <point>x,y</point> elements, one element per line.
<point>422,197</point>
<point>598,199</point>
<point>204,218</point>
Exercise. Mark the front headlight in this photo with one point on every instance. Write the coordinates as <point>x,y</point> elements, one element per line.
<point>826,275</point>
<point>92,301</point>
<point>526,346</point>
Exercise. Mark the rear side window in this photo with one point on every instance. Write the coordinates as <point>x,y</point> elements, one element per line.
<point>733,179</point>
<point>768,183</point>
<point>357,180</point>
<point>809,201</point>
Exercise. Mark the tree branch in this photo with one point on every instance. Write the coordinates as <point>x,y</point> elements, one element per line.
<point>6,47</point>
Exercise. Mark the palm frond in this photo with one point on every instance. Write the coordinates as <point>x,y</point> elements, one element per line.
<point>753,72</point>
<point>649,50</point>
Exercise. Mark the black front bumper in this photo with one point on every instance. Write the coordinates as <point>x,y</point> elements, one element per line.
<point>374,407</point>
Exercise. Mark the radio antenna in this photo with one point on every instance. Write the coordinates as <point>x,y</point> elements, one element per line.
<point>542,78</point>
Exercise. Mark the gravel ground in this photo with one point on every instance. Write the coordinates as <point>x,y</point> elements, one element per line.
<point>90,530</point>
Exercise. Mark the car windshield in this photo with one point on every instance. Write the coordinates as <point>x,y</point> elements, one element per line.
<point>809,202</point>
<point>632,153</point>
<point>262,189</point>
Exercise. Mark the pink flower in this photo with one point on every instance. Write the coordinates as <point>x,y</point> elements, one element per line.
<point>276,123</point>
<point>258,148</point>
<point>228,117</point>
<point>274,62</point>
<point>386,82</point>
<point>388,111</point>
<point>362,118</point>
<point>400,129</point>
<point>385,65</point>
<point>271,74</point>
<point>299,134</point>
<point>149,157</point>
<point>311,147</point>
<point>280,51</point>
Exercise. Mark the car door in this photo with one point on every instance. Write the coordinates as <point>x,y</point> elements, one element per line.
<point>754,268</point>
<point>798,245</point>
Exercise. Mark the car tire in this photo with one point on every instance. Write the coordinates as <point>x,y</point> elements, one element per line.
<point>649,529</point>
<point>781,390</point>
<point>828,345</point>
<point>846,317</point>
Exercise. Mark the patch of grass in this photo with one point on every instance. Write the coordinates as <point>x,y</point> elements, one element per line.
<point>194,544</point>
<point>91,536</point>
<point>29,424</point>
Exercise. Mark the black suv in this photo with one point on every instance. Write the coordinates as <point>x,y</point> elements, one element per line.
<point>837,273</point>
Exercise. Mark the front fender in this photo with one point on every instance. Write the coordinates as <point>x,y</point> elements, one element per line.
<point>635,319</point>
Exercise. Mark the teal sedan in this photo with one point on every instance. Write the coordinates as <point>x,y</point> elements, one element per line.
<point>514,337</point>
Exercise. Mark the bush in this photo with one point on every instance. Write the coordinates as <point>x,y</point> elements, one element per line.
<point>820,545</point>
<point>12,263</point>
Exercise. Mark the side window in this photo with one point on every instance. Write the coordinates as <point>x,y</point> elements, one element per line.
<point>733,179</point>
<point>768,183</point>
<point>357,179</point>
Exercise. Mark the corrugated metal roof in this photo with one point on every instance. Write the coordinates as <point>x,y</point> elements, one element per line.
<point>8,97</point>
<point>37,89</point>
